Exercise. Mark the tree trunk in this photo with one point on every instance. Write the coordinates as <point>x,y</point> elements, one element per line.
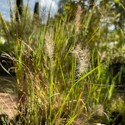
<point>19,9</point>
<point>36,16</point>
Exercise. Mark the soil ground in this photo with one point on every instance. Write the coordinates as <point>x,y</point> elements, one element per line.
<point>8,96</point>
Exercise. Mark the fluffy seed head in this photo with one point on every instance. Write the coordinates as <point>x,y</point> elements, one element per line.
<point>78,18</point>
<point>49,45</point>
<point>83,62</point>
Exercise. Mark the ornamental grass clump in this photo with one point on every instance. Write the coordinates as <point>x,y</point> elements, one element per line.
<point>61,78</point>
